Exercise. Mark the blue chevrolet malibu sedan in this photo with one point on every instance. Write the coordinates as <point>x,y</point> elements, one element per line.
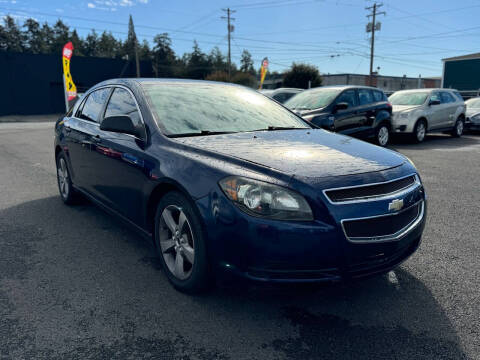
<point>226,181</point>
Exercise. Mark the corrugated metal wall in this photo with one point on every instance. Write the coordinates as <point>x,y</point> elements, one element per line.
<point>32,84</point>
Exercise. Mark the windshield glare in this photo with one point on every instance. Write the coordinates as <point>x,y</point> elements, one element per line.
<point>187,108</point>
<point>313,99</point>
<point>473,103</point>
<point>410,98</point>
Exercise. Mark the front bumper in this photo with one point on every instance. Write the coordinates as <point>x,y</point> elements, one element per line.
<point>471,125</point>
<point>402,125</point>
<point>316,251</point>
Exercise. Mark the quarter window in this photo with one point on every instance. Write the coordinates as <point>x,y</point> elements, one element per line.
<point>90,109</point>
<point>365,96</point>
<point>348,97</point>
<point>378,96</point>
<point>122,103</point>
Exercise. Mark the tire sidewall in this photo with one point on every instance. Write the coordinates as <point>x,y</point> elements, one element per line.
<point>198,279</point>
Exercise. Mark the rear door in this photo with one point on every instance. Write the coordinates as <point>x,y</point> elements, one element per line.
<point>81,132</point>
<point>123,165</point>
<point>347,121</point>
<point>450,109</point>
<point>437,112</point>
<point>366,112</point>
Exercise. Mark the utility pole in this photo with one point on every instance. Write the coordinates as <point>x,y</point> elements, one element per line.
<point>230,30</point>
<point>371,27</point>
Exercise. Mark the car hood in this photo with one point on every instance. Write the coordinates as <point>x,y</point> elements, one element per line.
<point>308,153</point>
<point>472,111</point>
<point>400,108</point>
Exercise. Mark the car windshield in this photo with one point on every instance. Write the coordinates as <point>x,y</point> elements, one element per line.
<point>473,103</point>
<point>408,98</point>
<point>312,99</point>
<point>183,109</point>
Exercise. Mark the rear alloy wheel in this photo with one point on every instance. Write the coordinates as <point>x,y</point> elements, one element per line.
<point>180,243</point>
<point>457,131</point>
<point>67,192</point>
<point>420,131</point>
<point>383,135</point>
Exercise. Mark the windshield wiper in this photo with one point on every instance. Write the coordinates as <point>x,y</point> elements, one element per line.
<point>201,133</point>
<point>273,128</point>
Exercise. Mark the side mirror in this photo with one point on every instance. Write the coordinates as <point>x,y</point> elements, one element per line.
<point>120,124</point>
<point>341,106</point>
<point>434,102</point>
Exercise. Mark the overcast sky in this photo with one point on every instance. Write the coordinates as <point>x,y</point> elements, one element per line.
<point>414,37</point>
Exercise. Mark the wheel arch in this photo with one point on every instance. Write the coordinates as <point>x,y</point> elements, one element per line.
<point>164,187</point>
<point>420,119</point>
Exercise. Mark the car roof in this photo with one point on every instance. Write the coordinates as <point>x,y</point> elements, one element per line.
<point>344,87</point>
<point>141,81</point>
<point>425,90</point>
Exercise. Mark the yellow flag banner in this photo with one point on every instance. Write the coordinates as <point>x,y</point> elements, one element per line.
<point>263,71</point>
<point>70,88</point>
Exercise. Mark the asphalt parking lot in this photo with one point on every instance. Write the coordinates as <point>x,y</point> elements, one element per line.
<point>77,284</point>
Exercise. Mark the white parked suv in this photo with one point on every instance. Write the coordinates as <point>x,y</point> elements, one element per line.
<point>417,112</point>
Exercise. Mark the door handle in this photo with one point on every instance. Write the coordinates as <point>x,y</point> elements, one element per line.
<point>97,139</point>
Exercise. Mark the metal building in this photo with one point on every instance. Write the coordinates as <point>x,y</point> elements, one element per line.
<point>462,73</point>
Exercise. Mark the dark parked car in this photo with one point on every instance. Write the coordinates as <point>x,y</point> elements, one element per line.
<point>281,94</point>
<point>358,111</point>
<point>226,181</point>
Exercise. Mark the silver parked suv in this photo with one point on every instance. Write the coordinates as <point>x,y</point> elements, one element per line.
<point>417,112</point>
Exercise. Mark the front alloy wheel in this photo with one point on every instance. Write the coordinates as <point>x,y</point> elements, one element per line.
<point>420,131</point>
<point>177,242</point>
<point>180,243</point>
<point>383,135</point>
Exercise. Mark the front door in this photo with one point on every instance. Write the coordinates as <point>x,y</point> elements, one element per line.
<point>348,120</point>
<point>123,166</point>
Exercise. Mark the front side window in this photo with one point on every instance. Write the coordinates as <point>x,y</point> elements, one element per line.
<point>193,108</point>
<point>435,97</point>
<point>365,96</point>
<point>90,109</point>
<point>408,98</point>
<point>122,103</point>
<point>348,97</point>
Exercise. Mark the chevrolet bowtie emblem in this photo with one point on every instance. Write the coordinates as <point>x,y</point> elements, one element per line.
<point>395,205</point>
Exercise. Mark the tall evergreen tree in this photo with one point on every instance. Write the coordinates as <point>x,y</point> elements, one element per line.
<point>61,35</point>
<point>90,45</point>
<point>246,62</point>
<point>217,60</point>
<point>131,42</point>
<point>14,39</point>
<point>164,59</point>
<point>108,46</point>
<point>33,37</point>
<point>47,38</point>
<point>197,63</point>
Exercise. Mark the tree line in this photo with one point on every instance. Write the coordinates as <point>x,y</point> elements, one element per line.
<point>35,38</point>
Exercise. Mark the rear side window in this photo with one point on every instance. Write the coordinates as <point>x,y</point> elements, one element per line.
<point>446,97</point>
<point>348,97</point>
<point>122,103</point>
<point>281,97</point>
<point>365,96</point>
<point>458,95</point>
<point>378,96</point>
<point>90,109</point>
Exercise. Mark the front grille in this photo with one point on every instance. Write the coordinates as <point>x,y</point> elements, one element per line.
<point>369,191</point>
<point>381,226</point>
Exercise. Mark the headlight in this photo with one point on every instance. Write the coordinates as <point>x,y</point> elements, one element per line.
<point>261,199</point>
<point>402,115</point>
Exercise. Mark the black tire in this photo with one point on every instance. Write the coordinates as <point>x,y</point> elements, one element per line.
<point>198,278</point>
<point>382,135</point>
<point>459,127</point>
<point>67,193</point>
<point>418,135</point>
